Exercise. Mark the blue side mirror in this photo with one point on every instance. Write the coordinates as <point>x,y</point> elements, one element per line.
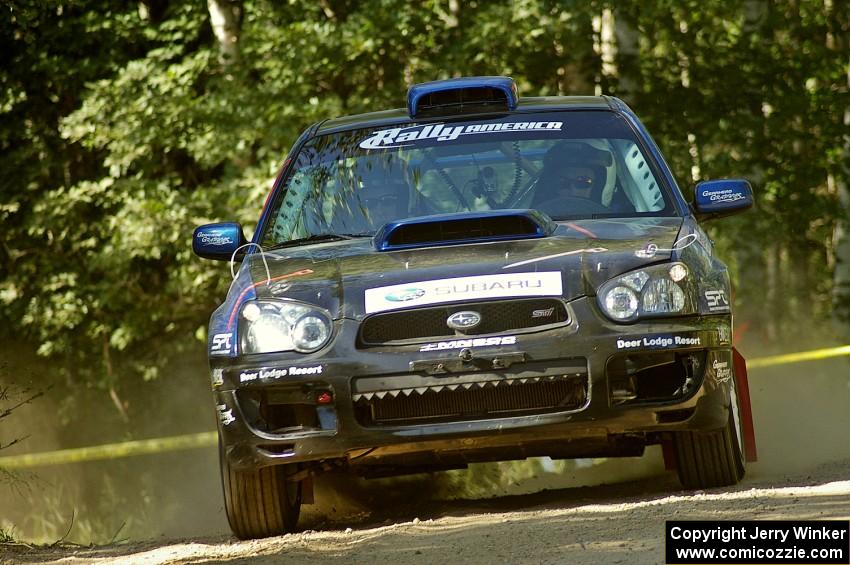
<point>716,198</point>
<point>218,241</point>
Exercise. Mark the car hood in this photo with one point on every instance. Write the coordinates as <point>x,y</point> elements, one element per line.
<point>338,275</point>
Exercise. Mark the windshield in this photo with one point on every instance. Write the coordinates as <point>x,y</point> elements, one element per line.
<point>569,165</point>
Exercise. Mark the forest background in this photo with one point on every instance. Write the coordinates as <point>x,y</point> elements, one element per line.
<point>123,125</point>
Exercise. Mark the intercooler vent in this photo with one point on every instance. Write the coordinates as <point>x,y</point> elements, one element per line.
<point>472,400</point>
<point>463,228</point>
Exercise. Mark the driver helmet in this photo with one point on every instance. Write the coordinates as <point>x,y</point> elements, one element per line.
<point>575,169</point>
<point>383,190</point>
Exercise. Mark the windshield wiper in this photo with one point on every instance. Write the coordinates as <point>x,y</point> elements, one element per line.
<point>318,238</point>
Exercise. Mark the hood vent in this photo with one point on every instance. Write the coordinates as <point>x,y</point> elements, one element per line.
<point>464,228</point>
<point>461,96</point>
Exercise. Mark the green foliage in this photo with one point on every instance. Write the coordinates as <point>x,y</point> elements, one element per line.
<point>120,130</point>
<point>762,88</point>
<point>7,536</point>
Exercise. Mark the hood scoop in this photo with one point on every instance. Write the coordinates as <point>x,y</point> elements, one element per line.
<point>463,228</point>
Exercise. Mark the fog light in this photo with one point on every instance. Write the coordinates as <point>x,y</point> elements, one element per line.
<point>324,398</point>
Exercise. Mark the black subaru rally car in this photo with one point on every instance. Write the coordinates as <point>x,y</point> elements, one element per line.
<point>477,277</point>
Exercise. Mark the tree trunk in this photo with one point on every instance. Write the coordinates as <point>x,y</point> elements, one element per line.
<point>153,10</point>
<point>841,238</point>
<point>628,61</point>
<point>226,20</point>
<point>839,183</point>
<point>605,46</point>
<point>775,296</point>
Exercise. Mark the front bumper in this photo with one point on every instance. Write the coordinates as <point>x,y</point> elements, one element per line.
<point>607,421</point>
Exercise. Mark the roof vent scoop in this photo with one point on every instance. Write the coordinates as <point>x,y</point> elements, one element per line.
<point>461,96</point>
<point>463,228</point>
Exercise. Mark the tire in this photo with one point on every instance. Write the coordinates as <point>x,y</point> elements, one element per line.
<point>711,459</point>
<point>259,502</point>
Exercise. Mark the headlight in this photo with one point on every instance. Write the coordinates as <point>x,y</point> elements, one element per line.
<point>660,290</point>
<point>268,326</point>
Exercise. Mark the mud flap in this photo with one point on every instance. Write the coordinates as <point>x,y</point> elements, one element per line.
<point>742,384</point>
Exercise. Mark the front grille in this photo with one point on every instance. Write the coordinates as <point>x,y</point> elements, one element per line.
<point>472,400</point>
<point>496,316</point>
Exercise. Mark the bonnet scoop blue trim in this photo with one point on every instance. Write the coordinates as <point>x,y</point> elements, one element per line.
<point>463,228</point>
<point>461,95</point>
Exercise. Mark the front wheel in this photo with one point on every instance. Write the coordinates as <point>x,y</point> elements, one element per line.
<point>711,459</point>
<point>260,502</point>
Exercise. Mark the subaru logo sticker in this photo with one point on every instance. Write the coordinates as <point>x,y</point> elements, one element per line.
<point>405,295</point>
<point>465,320</point>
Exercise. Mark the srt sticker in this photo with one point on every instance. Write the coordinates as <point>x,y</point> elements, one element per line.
<point>247,376</point>
<point>402,137</point>
<point>225,416</point>
<point>463,343</point>
<point>221,344</point>
<point>462,288</point>
<point>716,300</point>
<point>658,342</point>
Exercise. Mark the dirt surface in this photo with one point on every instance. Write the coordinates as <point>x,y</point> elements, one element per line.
<point>620,523</point>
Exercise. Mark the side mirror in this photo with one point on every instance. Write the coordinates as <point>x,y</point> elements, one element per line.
<point>218,241</point>
<point>718,198</point>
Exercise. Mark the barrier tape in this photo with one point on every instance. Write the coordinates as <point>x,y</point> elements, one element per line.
<point>110,451</point>
<point>209,439</point>
<point>797,357</point>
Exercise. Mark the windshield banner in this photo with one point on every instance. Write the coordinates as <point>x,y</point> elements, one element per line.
<point>403,137</point>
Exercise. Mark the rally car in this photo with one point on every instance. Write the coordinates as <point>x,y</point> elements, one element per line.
<point>476,277</point>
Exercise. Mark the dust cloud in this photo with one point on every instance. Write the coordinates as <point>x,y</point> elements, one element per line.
<point>343,500</point>
<point>175,494</point>
<point>801,413</point>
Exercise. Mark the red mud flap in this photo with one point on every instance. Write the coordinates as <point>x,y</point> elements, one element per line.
<point>748,429</point>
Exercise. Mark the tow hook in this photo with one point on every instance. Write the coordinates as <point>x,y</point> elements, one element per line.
<point>465,361</point>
